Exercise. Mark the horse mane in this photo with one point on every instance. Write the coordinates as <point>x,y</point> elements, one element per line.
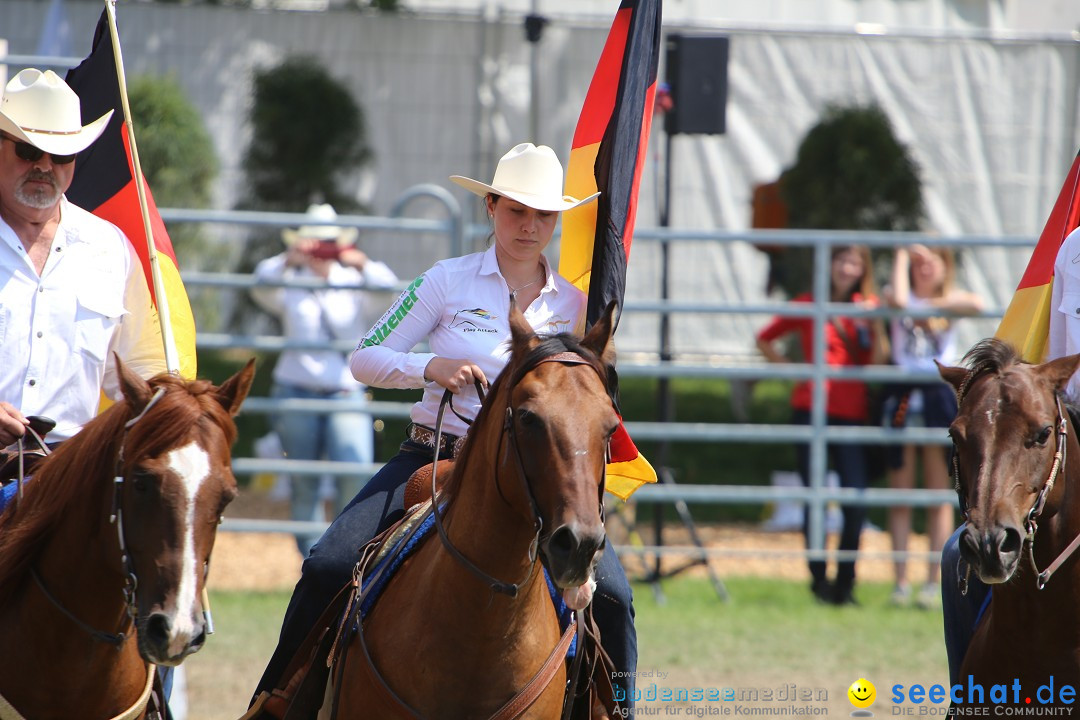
<point>88,461</point>
<point>992,355</point>
<point>522,360</point>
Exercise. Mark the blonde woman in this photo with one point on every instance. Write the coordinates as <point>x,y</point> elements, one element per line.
<point>922,279</point>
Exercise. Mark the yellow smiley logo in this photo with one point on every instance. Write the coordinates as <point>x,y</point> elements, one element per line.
<point>862,693</point>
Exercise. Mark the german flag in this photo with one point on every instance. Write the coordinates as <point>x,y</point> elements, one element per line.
<point>608,153</point>
<point>104,185</point>
<point>1026,323</point>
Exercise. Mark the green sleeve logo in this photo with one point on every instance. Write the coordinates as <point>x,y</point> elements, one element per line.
<point>394,316</point>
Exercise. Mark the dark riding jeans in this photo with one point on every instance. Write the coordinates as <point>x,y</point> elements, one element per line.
<point>849,461</point>
<point>960,613</point>
<point>379,505</point>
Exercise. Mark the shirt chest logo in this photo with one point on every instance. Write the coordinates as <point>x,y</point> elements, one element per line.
<point>470,320</point>
<point>557,325</point>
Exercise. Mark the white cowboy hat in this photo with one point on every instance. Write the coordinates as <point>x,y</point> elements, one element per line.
<point>530,174</point>
<point>39,108</point>
<point>343,236</point>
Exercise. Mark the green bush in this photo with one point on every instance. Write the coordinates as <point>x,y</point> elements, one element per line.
<point>850,173</point>
<point>175,150</point>
<point>308,135</point>
<point>179,162</point>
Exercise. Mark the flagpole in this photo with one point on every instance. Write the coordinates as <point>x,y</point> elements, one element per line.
<point>172,360</point>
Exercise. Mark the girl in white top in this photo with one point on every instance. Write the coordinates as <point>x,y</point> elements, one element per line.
<point>923,278</point>
<point>461,307</point>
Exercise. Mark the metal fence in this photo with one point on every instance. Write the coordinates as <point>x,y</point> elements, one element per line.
<point>817,434</point>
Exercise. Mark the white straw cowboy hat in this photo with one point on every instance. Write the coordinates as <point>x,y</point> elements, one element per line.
<point>343,236</point>
<point>39,108</point>
<point>530,174</point>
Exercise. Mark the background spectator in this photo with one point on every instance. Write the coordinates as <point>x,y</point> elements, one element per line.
<point>329,253</point>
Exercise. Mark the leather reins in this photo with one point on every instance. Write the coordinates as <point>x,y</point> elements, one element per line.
<point>528,694</point>
<point>131,580</point>
<point>508,426</point>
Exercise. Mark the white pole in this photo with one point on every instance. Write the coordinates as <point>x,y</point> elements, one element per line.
<point>172,360</point>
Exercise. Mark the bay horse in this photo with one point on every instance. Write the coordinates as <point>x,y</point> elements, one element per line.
<point>1017,468</point>
<point>467,620</point>
<point>103,559</point>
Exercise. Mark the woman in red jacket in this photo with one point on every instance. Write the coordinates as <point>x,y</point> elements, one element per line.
<point>848,342</point>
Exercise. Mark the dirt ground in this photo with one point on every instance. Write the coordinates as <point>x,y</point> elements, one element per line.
<point>264,561</point>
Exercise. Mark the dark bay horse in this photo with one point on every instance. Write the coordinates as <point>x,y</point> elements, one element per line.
<point>103,560</point>
<point>526,490</point>
<point>1018,477</point>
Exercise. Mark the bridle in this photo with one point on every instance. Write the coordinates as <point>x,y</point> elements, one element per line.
<point>1031,524</point>
<point>508,429</point>
<point>116,517</point>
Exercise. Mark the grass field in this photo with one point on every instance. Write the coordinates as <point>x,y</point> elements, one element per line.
<point>770,638</point>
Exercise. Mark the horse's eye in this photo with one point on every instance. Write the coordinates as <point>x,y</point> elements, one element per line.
<point>956,435</point>
<point>528,418</point>
<point>1044,435</point>
<point>141,480</point>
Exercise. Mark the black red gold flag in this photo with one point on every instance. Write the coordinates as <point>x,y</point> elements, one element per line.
<point>608,154</point>
<point>104,185</point>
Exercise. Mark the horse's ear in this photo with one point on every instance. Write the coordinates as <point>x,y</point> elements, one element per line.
<point>1058,372</point>
<point>598,339</point>
<point>136,390</point>
<point>232,392</point>
<point>521,333</point>
<point>952,375</point>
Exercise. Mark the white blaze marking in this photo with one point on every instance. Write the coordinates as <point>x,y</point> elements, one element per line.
<point>192,464</point>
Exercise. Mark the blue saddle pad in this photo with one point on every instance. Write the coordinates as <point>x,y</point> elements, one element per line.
<point>7,493</point>
<point>377,579</point>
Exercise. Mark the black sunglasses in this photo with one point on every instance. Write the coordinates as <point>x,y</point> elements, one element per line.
<point>26,151</point>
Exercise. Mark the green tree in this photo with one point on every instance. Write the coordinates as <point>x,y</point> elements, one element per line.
<point>850,173</point>
<point>179,162</point>
<point>175,150</point>
<point>308,137</point>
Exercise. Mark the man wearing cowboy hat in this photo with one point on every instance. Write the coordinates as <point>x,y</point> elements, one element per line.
<point>324,251</point>
<point>72,292</point>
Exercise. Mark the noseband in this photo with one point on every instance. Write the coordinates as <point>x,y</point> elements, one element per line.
<point>1031,524</point>
<point>508,426</point>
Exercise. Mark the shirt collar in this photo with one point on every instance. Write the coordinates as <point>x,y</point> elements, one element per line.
<point>65,233</point>
<point>490,266</point>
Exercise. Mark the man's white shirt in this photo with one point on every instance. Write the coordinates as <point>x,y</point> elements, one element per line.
<point>58,332</point>
<point>317,316</point>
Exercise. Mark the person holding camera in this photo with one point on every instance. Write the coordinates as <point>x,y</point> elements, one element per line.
<point>849,341</point>
<point>320,251</point>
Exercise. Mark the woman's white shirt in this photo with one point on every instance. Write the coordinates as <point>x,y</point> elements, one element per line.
<point>461,306</point>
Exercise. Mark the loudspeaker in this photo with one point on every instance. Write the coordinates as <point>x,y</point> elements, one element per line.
<point>697,75</point>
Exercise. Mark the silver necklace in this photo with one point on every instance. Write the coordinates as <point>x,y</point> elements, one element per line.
<point>514,291</point>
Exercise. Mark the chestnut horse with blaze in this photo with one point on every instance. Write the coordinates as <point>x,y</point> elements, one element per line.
<point>104,558</point>
<point>467,620</point>
<point>1017,467</point>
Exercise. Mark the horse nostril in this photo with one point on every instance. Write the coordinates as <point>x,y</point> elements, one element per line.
<point>1010,542</point>
<point>969,544</point>
<point>158,627</point>
<point>563,542</point>
<point>199,640</point>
